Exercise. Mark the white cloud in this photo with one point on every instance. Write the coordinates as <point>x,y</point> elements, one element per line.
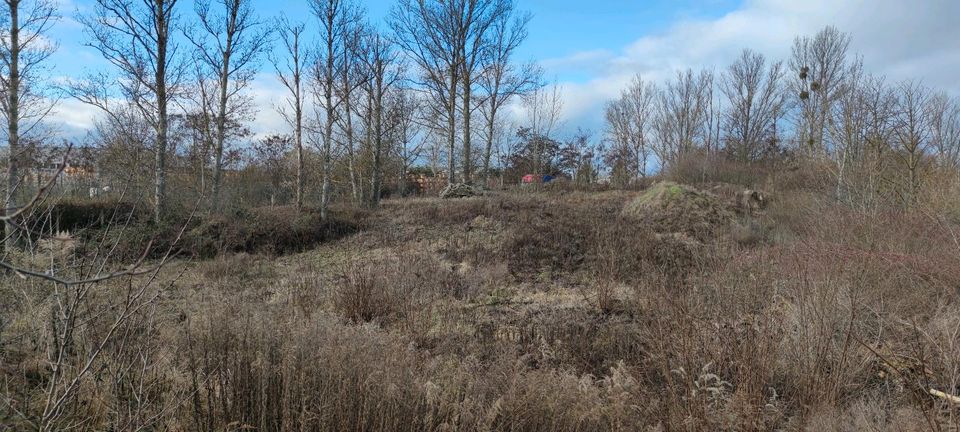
<point>899,39</point>
<point>902,40</point>
<point>268,94</point>
<point>74,117</point>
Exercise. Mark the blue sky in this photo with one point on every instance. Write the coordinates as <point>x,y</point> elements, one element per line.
<point>559,27</point>
<point>592,48</point>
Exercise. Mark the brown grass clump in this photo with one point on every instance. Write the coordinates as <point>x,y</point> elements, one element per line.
<point>395,289</point>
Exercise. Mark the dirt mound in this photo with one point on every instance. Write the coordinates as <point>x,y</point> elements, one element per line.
<point>669,196</point>
<point>679,208</point>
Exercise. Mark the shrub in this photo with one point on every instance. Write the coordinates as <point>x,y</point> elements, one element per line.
<point>268,230</point>
<point>703,167</point>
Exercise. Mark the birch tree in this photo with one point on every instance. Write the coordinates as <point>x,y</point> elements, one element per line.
<point>136,38</point>
<point>24,49</point>
<point>431,33</point>
<point>290,71</point>
<point>352,76</point>
<point>501,80</point>
<point>382,71</point>
<point>228,45</point>
<point>336,17</point>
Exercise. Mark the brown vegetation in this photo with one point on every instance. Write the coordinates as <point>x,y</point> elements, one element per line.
<point>543,311</point>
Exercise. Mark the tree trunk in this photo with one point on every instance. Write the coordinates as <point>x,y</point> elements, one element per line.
<point>467,160</point>
<point>490,136</point>
<point>298,136</point>
<point>160,171</point>
<point>13,127</point>
<point>328,129</point>
<point>452,127</point>
<point>351,156</point>
<point>221,124</point>
<point>377,141</point>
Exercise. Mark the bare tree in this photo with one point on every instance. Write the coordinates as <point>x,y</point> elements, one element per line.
<point>271,154</point>
<point>912,132</point>
<point>290,72</point>
<point>714,116</point>
<point>383,72</point>
<point>629,121</point>
<point>577,156</point>
<point>228,45</point>
<point>501,80</point>
<point>881,114</point>
<point>847,129</point>
<point>136,39</point>
<point>409,137</point>
<point>479,17</point>
<point>755,102</point>
<point>681,118</point>
<point>543,107</point>
<point>352,77</point>
<point>432,33</point>
<point>945,128</point>
<point>820,68</point>
<point>94,303</point>
<point>336,17</point>
<point>24,48</point>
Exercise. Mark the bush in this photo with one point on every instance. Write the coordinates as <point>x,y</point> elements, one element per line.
<point>75,215</point>
<point>702,167</point>
<point>268,230</point>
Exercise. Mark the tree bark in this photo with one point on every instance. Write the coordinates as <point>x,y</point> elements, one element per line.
<point>452,127</point>
<point>298,136</point>
<point>467,160</point>
<point>377,139</point>
<point>160,170</point>
<point>13,126</point>
<point>222,115</point>
<point>328,126</point>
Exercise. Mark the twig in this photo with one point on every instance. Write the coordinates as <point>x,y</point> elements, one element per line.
<point>945,396</point>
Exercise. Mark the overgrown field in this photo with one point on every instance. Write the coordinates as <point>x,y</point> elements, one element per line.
<point>670,308</point>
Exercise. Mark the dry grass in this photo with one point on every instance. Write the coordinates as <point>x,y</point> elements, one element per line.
<point>542,311</point>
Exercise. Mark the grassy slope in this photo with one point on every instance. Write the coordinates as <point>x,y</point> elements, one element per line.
<point>778,320</point>
<point>557,311</point>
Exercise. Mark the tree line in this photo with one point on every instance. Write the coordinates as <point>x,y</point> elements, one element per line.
<point>872,135</point>
<point>367,102</point>
<point>360,97</point>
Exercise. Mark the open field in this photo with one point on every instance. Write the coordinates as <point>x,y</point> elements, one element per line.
<point>542,310</point>
<point>479,215</point>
